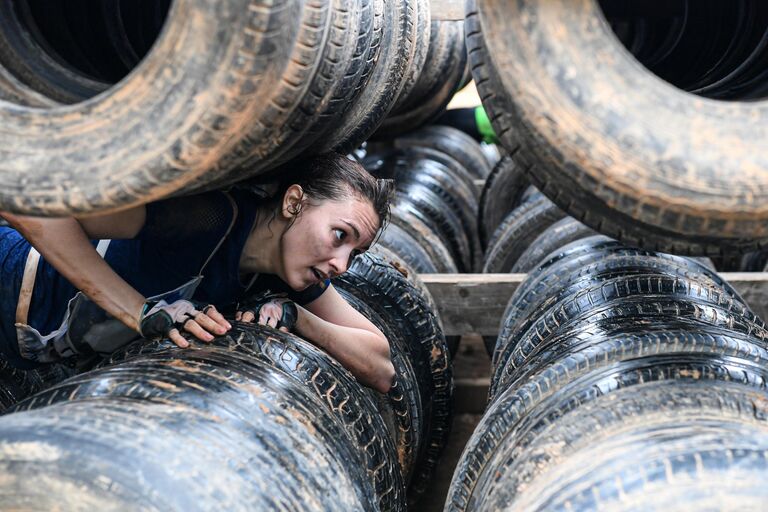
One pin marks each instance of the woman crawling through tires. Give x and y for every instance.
(173, 266)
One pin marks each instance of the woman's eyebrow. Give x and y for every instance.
(354, 228)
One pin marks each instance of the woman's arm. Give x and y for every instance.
(65, 244)
(332, 324)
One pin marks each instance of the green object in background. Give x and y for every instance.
(484, 126)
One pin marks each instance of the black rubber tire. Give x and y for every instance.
(96, 155)
(581, 259)
(454, 143)
(424, 109)
(409, 272)
(397, 47)
(557, 235)
(407, 248)
(29, 59)
(663, 190)
(419, 59)
(201, 405)
(517, 232)
(14, 91)
(624, 361)
(389, 293)
(17, 384)
(604, 449)
(502, 193)
(407, 218)
(444, 177)
(315, 90)
(661, 293)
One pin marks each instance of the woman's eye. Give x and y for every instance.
(340, 234)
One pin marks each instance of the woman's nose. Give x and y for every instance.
(340, 261)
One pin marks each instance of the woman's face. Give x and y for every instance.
(324, 238)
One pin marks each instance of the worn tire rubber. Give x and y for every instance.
(516, 233)
(557, 235)
(397, 47)
(389, 293)
(661, 178)
(623, 361)
(200, 407)
(502, 193)
(454, 143)
(209, 76)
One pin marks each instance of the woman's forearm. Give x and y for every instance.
(64, 244)
(362, 352)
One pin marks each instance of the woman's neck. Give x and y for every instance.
(261, 252)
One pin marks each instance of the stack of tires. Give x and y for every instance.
(257, 419)
(518, 224)
(434, 213)
(641, 154)
(114, 104)
(623, 379)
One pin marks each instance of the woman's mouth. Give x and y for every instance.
(318, 275)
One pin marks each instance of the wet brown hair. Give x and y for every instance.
(332, 176)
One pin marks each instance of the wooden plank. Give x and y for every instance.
(474, 303)
(447, 10)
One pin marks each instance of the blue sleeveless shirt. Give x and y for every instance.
(181, 238)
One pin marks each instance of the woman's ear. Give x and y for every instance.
(293, 201)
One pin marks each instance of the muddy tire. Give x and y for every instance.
(438, 81)
(454, 143)
(263, 380)
(555, 236)
(620, 365)
(92, 156)
(388, 293)
(397, 47)
(518, 231)
(679, 190)
(407, 218)
(668, 292)
(501, 194)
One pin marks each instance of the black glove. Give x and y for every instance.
(290, 312)
(158, 318)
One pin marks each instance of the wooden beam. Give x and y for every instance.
(447, 10)
(474, 303)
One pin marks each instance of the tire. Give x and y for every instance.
(388, 292)
(454, 143)
(95, 156)
(202, 406)
(423, 109)
(409, 272)
(627, 361)
(445, 178)
(641, 296)
(678, 416)
(17, 384)
(518, 231)
(399, 242)
(628, 180)
(501, 194)
(330, 59)
(405, 216)
(385, 82)
(422, 48)
(557, 235)
(29, 59)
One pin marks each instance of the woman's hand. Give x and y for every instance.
(269, 309)
(163, 320)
